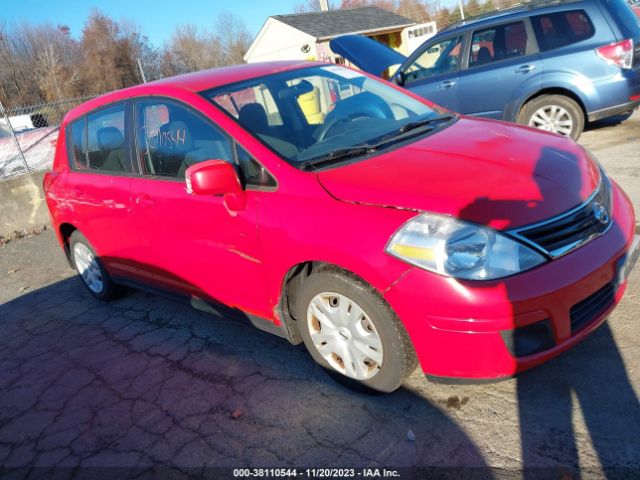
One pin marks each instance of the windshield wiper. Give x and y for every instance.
(358, 150)
(338, 155)
(425, 122)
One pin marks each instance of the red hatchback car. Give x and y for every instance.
(332, 208)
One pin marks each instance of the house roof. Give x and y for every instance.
(331, 23)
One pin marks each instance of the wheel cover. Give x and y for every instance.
(88, 268)
(552, 118)
(344, 335)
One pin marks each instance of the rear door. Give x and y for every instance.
(502, 65)
(432, 71)
(98, 185)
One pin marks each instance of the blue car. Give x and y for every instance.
(551, 65)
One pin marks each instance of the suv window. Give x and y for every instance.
(498, 43)
(171, 138)
(105, 140)
(559, 29)
(436, 59)
(76, 144)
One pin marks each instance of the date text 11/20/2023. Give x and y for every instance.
(315, 473)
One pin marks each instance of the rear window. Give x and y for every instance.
(559, 29)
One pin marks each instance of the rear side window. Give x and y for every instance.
(498, 43)
(76, 144)
(559, 29)
(105, 140)
(171, 138)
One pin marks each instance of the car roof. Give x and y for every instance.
(192, 82)
(515, 11)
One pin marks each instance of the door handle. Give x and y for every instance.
(447, 84)
(525, 68)
(76, 192)
(145, 201)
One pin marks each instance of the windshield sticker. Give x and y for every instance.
(343, 72)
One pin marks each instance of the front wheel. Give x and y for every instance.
(350, 330)
(554, 113)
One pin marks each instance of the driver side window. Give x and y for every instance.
(437, 59)
(171, 138)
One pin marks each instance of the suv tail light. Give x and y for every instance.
(619, 54)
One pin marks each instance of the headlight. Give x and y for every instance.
(459, 249)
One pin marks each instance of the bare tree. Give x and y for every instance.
(150, 57)
(191, 49)
(413, 9)
(305, 6)
(233, 37)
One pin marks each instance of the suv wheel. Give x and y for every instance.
(554, 113)
(350, 330)
(90, 268)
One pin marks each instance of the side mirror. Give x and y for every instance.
(212, 177)
(399, 78)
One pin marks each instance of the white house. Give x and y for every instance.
(306, 36)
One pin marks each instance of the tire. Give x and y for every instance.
(393, 358)
(83, 257)
(568, 116)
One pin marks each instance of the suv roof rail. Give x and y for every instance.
(524, 6)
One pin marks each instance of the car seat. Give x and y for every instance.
(111, 155)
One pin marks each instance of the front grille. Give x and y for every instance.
(584, 312)
(574, 228)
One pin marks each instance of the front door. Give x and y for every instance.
(503, 64)
(432, 72)
(196, 245)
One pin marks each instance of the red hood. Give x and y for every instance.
(483, 171)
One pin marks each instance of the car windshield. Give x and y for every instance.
(325, 113)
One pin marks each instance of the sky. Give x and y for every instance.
(158, 18)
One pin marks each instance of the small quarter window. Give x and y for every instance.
(254, 174)
(76, 145)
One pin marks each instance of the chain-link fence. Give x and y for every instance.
(28, 135)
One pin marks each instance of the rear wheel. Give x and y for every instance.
(554, 113)
(90, 268)
(351, 331)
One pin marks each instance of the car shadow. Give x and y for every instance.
(147, 381)
(607, 122)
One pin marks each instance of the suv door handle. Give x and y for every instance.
(525, 68)
(447, 84)
(144, 201)
(76, 192)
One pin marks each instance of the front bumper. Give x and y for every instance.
(459, 328)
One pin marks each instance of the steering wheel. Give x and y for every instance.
(337, 121)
